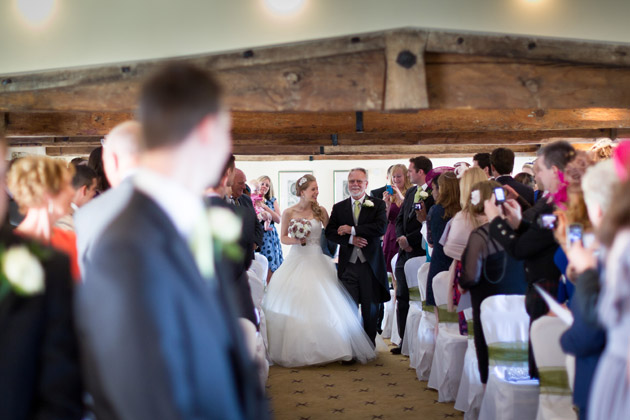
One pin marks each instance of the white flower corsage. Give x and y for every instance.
(226, 229)
(368, 203)
(22, 271)
(475, 197)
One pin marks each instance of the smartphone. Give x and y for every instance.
(548, 221)
(574, 233)
(389, 189)
(499, 193)
(418, 206)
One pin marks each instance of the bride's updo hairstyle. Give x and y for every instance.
(302, 184)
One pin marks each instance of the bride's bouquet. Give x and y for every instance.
(299, 228)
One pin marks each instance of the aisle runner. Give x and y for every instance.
(383, 389)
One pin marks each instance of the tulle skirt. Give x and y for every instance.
(311, 318)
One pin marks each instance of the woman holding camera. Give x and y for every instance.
(393, 196)
(487, 270)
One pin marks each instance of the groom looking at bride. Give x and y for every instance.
(357, 224)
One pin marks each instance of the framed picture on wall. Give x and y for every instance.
(287, 181)
(340, 189)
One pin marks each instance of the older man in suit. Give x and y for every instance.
(357, 224)
(159, 340)
(120, 160)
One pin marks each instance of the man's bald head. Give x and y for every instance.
(238, 186)
(121, 150)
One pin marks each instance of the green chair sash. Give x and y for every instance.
(427, 308)
(554, 381)
(414, 294)
(508, 354)
(471, 331)
(445, 316)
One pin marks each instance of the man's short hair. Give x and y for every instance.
(358, 169)
(558, 154)
(483, 160)
(502, 159)
(422, 162)
(83, 176)
(173, 102)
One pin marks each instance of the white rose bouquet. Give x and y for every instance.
(299, 229)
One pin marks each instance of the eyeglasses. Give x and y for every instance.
(355, 181)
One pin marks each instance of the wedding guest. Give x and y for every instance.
(39, 361)
(400, 183)
(158, 336)
(602, 150)
(121, 149)
(84, 184)
(378, 192)
(447, 204)
(502, 164)
(482, 161)
(524, 238)
(43, 190)
(525, 179)
(96, 163)
(408, 234)
(487, 270)
(585, 339)
(458, 233)
(244, 202)
(611, 385)
(79, 161)
(271, 247)
(528, 168)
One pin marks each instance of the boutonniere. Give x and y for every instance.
(421, 195)
(368, 203)
(21, 272)
(226, 229)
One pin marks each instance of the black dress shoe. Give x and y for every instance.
(395, 350)
(348, 362)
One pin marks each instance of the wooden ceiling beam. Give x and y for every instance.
(368, 72)
(71, 124)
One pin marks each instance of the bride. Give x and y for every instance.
(311, 318)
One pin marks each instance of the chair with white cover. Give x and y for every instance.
(262, 270)
(450, 345)
(412, 265)
(510, 394)
(390, 324)
(257, 286)
(555, 400)
(470, 392)
(425, 337)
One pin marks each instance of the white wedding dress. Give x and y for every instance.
(311, 318)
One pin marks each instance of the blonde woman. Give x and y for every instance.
(311, 319)
(399, 182)
(42, 188)
(271, 247)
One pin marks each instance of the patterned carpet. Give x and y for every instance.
(383, 389)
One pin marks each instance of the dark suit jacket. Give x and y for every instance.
(158, 341)
(536, 247)
(408, 225)
(233, 274)
(378, 193)
(523, 190)
(372, 225)
(39, 361)
(252, 229)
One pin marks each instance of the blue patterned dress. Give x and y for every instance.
(271, 247)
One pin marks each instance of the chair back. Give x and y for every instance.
(442, 293)
(257, 287)
(423, 275)
(262, 265)
(505, 326)
(412, 265)
(468, 314)
(550, 358)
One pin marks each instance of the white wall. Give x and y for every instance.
(84, 32)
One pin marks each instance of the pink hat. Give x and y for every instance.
(621, 158)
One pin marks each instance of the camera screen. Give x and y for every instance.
(548, 221)
(575, 233)
(418, 206)
(499, 194)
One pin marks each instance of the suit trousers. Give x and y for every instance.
(402, 294)
(361, 284)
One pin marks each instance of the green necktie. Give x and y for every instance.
(357, 210)
(201, 246)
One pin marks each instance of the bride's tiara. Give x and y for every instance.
(301, 181)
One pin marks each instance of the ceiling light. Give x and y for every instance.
(36, 12)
